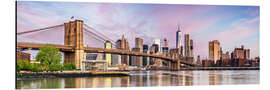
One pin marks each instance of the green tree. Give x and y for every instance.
(50, 57)
(69, 66)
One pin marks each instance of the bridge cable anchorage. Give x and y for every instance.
(104, 39)
(35, 30)
(98, 32)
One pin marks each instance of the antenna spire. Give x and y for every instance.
(178, 27)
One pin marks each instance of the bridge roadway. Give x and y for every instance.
(66, 48)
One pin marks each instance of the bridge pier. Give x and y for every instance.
(174, 66)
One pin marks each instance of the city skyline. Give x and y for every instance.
(232, 25)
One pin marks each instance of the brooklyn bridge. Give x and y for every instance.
(77, 42)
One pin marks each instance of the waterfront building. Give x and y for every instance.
(139, 46)
(207, 63)
(240, 56)
(23, 56)
(214, 50)
(225, 59)
(136, 60)
(108, 57)
(116, 58)
(187, 45)
(124, 46)
(145, 59)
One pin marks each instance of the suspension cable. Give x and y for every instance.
(20, 33)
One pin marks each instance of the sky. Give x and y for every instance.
(233, 26)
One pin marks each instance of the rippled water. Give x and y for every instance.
(148, 78)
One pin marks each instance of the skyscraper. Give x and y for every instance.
(139, 43)
(187, 45)
(165, 48)
(157, 41)
(165, 43)
(214, 50)
(116, 58)
(191, 48)
(123, 42)
(145, 59)
(178, 37)
(139, 46)
(124, 46)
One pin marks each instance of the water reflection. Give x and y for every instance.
(147, 78)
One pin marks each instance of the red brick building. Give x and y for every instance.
(23, 56)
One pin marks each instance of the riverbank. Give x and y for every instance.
(70, 74)
(221, 68)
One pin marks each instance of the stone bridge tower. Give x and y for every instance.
(74, 38)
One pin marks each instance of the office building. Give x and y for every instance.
(214, 50)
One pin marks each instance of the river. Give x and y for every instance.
(148, 78)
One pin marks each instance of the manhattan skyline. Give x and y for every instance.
(231, 25)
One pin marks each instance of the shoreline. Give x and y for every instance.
(70, 74)
(115, 73)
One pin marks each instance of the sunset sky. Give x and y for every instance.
(231, 25)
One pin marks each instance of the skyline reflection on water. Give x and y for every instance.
(149, 78)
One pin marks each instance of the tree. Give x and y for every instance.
(50, 57)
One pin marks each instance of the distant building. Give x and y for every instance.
(207, 63)
(145, 59)
(198, 60)
(240, 56)
(157, 42)
(156, 48)
(116, 58)
(136, 60)
(108, 57)
(138, 48)
(226, 59)
(165, 42)
(124, 46)
(178, 38)
(139, 43)
(174, 53)
(191, 48)
(182, 52)
(187, 46)
(214, 50)
(165, 48)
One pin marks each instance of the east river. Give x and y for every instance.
(148, 79)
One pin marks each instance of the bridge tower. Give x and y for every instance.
(74, 37)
